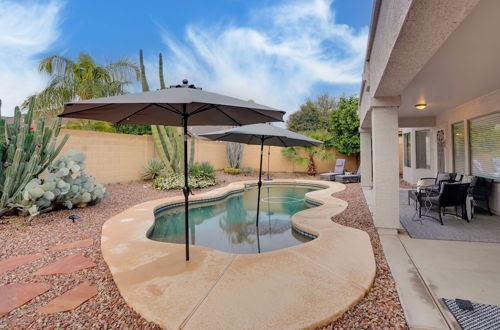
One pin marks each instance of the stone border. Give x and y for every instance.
(303, 286)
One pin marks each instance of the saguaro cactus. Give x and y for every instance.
(25, 152)
(168, 141)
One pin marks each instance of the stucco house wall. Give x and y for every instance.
(481, 106)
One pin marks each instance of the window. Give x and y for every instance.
(485, 146)
(407, 149)
(423, 147)
(458, 148)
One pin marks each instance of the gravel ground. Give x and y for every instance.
(380, 308)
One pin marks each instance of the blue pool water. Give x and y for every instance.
(229, 224)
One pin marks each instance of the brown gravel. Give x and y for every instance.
(380, 308)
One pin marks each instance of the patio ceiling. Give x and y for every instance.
(465, 67)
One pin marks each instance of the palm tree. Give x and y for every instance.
(80, 80)
(322, 152)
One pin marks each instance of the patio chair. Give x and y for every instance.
(480, 190)
(338, 170)
(451, 194)
(349, 178)
(441, 177)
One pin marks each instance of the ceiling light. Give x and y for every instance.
(421, 106)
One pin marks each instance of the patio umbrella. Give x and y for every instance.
(178, 105)
(261, 134)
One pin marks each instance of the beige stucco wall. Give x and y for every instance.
(481, 106)
(413, 174)
(114, 158)
(111, 157)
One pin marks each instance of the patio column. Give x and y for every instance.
(385, 166)
(366, 157)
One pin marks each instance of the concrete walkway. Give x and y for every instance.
(451, 269)
(428, 270)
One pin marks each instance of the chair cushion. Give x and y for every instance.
(330, 173)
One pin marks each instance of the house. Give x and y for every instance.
(432, 71)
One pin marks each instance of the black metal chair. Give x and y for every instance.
(480, 190)
(451, 194)
(441, 177)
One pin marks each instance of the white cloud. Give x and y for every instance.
(275, 59)
(26, 30)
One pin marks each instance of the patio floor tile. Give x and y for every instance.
(66, 265)
(73, 245)
(70, 299)
(16, 261)
(17, 294)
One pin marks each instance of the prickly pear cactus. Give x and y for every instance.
(65, 186)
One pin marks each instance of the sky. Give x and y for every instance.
(275, 52)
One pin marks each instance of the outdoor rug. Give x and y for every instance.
(482, 317)
(481, 228)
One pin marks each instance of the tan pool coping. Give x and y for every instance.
(303, 286)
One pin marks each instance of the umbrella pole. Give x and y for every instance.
(268, 162)
(185, 189)
(259, 184)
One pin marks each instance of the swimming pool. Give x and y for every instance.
(229, 224)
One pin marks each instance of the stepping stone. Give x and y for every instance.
(17, 294)
(66, 265)
(14, 262)
(70, 299)
(73, 245)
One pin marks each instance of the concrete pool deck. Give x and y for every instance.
(303, 286)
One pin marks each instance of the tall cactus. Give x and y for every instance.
(167, 140)
(25, 152)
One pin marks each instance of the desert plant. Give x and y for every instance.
(168, 142)
(152, 169)
(204, 169)
(176, 181)
(82, 79)
(311, 153)
(248, 170)
(232, 170)
(60, 188)
(234, 153)
(25, 152)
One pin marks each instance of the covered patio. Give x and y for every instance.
(481, 228)
(432, 72)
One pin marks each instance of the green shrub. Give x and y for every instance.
(202, 169)
(248, 171)
(232, 171)
(176, 181)
(152, 169)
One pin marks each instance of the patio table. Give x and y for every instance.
(421, 198)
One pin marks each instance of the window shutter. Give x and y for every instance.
(458, 148)
(407, 149)
(485, 146)
(423, 147)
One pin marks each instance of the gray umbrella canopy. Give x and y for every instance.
(272, 135)
(262, 134)
(168, 106)
(180, 105)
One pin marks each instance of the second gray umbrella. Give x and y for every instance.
(262, 134)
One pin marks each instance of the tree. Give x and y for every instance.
(313, 115)
(311, 153)
(82, 79)
(345, 125)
